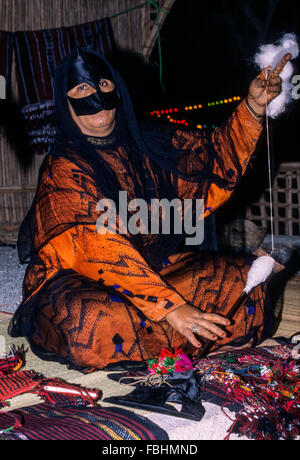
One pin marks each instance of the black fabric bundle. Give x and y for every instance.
(180, 388)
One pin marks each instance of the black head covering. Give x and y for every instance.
(91, 69)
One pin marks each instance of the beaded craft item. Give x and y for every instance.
(261, 385)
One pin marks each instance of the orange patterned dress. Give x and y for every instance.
(99, 302)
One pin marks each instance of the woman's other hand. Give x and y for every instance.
(187, 318)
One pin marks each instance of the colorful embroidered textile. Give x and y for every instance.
(38, 53)
(55, 392)
(6, 50)
(261, 385)
(41, 422)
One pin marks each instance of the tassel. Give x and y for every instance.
(12, 361)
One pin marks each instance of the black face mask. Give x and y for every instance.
(88, 68)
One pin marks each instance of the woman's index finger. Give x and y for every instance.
(287, 57)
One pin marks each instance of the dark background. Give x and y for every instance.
(208, 49)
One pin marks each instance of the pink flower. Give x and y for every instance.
(183, 364)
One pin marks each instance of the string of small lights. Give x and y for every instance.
(171, 113)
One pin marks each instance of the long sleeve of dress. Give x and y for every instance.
(227, 151)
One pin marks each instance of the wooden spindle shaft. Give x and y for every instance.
(204, 350)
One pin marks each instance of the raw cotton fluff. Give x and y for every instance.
(272, 55)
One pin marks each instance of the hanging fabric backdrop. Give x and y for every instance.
(38, 53)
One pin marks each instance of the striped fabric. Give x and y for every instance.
(38, 53)
(17, 383)
(55, 392)
(6, 47)
(41, 422)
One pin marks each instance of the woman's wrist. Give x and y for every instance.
(256, 110)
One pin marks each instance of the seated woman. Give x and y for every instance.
(92, 299)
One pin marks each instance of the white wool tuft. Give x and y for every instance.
(272, 55)
(259, 272)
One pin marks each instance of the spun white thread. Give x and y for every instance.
(269, 171)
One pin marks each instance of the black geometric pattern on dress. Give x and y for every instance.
(70, 298)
